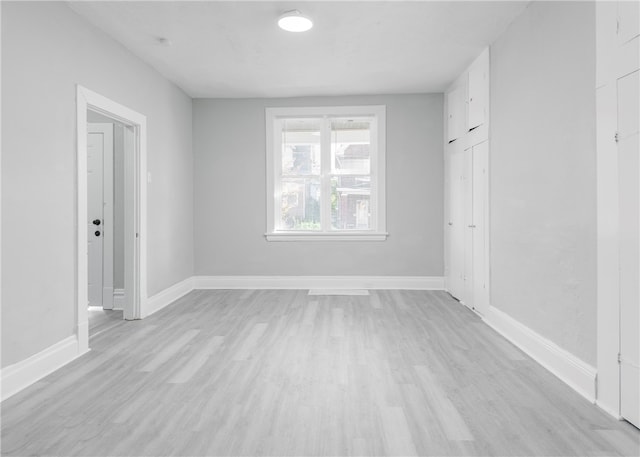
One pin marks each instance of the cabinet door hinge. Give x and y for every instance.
(616, 137)
(619, 358)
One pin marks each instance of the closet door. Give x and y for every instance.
(479, 228)
(468, 228)
(455, 224)
(478, 96)
(456, 119)
(628, 89)
(628, 21)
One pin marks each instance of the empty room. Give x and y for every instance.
(320, 228)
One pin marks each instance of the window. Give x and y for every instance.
(325, 173)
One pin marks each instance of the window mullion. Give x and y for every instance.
(325, 177)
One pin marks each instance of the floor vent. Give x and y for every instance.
(338, 292)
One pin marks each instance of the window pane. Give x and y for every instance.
(350, 202)
(350, 146)
(301, 146)
(300, 204)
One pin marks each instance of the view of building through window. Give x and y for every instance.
(345, 182)
(325, 173)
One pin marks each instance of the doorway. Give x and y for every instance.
(111, 201)
(105, 221)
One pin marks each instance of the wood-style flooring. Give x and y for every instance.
(287, 373)
(101, 320)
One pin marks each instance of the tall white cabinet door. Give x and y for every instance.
(455, 224)
(456, 121)
(629, 231)
(479, 232)
(467, 107)
(468, 227)
(628, 20)
(478, 96)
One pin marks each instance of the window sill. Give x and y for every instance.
(342, 236)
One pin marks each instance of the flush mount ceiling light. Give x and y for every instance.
(294, 21)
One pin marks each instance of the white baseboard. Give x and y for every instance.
(577, 374)
(319, 282)
(26, 372)
(167, 296)
(615, 414)
(118, 298)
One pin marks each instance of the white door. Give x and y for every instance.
(94, 213)
(455, 224)
(628, 21)
(468, 227)
(447, 220)
(479, 233)
(628, 89)
(477, 96)
(99, 164)
(456, 123)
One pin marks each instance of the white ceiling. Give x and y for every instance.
(229, 49)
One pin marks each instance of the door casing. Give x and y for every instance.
(135, 224)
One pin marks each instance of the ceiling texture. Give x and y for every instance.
(234, 49)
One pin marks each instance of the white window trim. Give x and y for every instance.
(378, 196)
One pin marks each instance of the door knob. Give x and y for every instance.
(97, 233)
(96, 222)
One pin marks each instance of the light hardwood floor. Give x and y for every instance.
(101, 320)
(286, 373)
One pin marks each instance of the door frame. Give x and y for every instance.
(613, 60)
(136, 228)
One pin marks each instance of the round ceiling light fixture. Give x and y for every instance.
(294, 21)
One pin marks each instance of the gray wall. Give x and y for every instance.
(543, 174)
(46, 50)
(230, 201)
